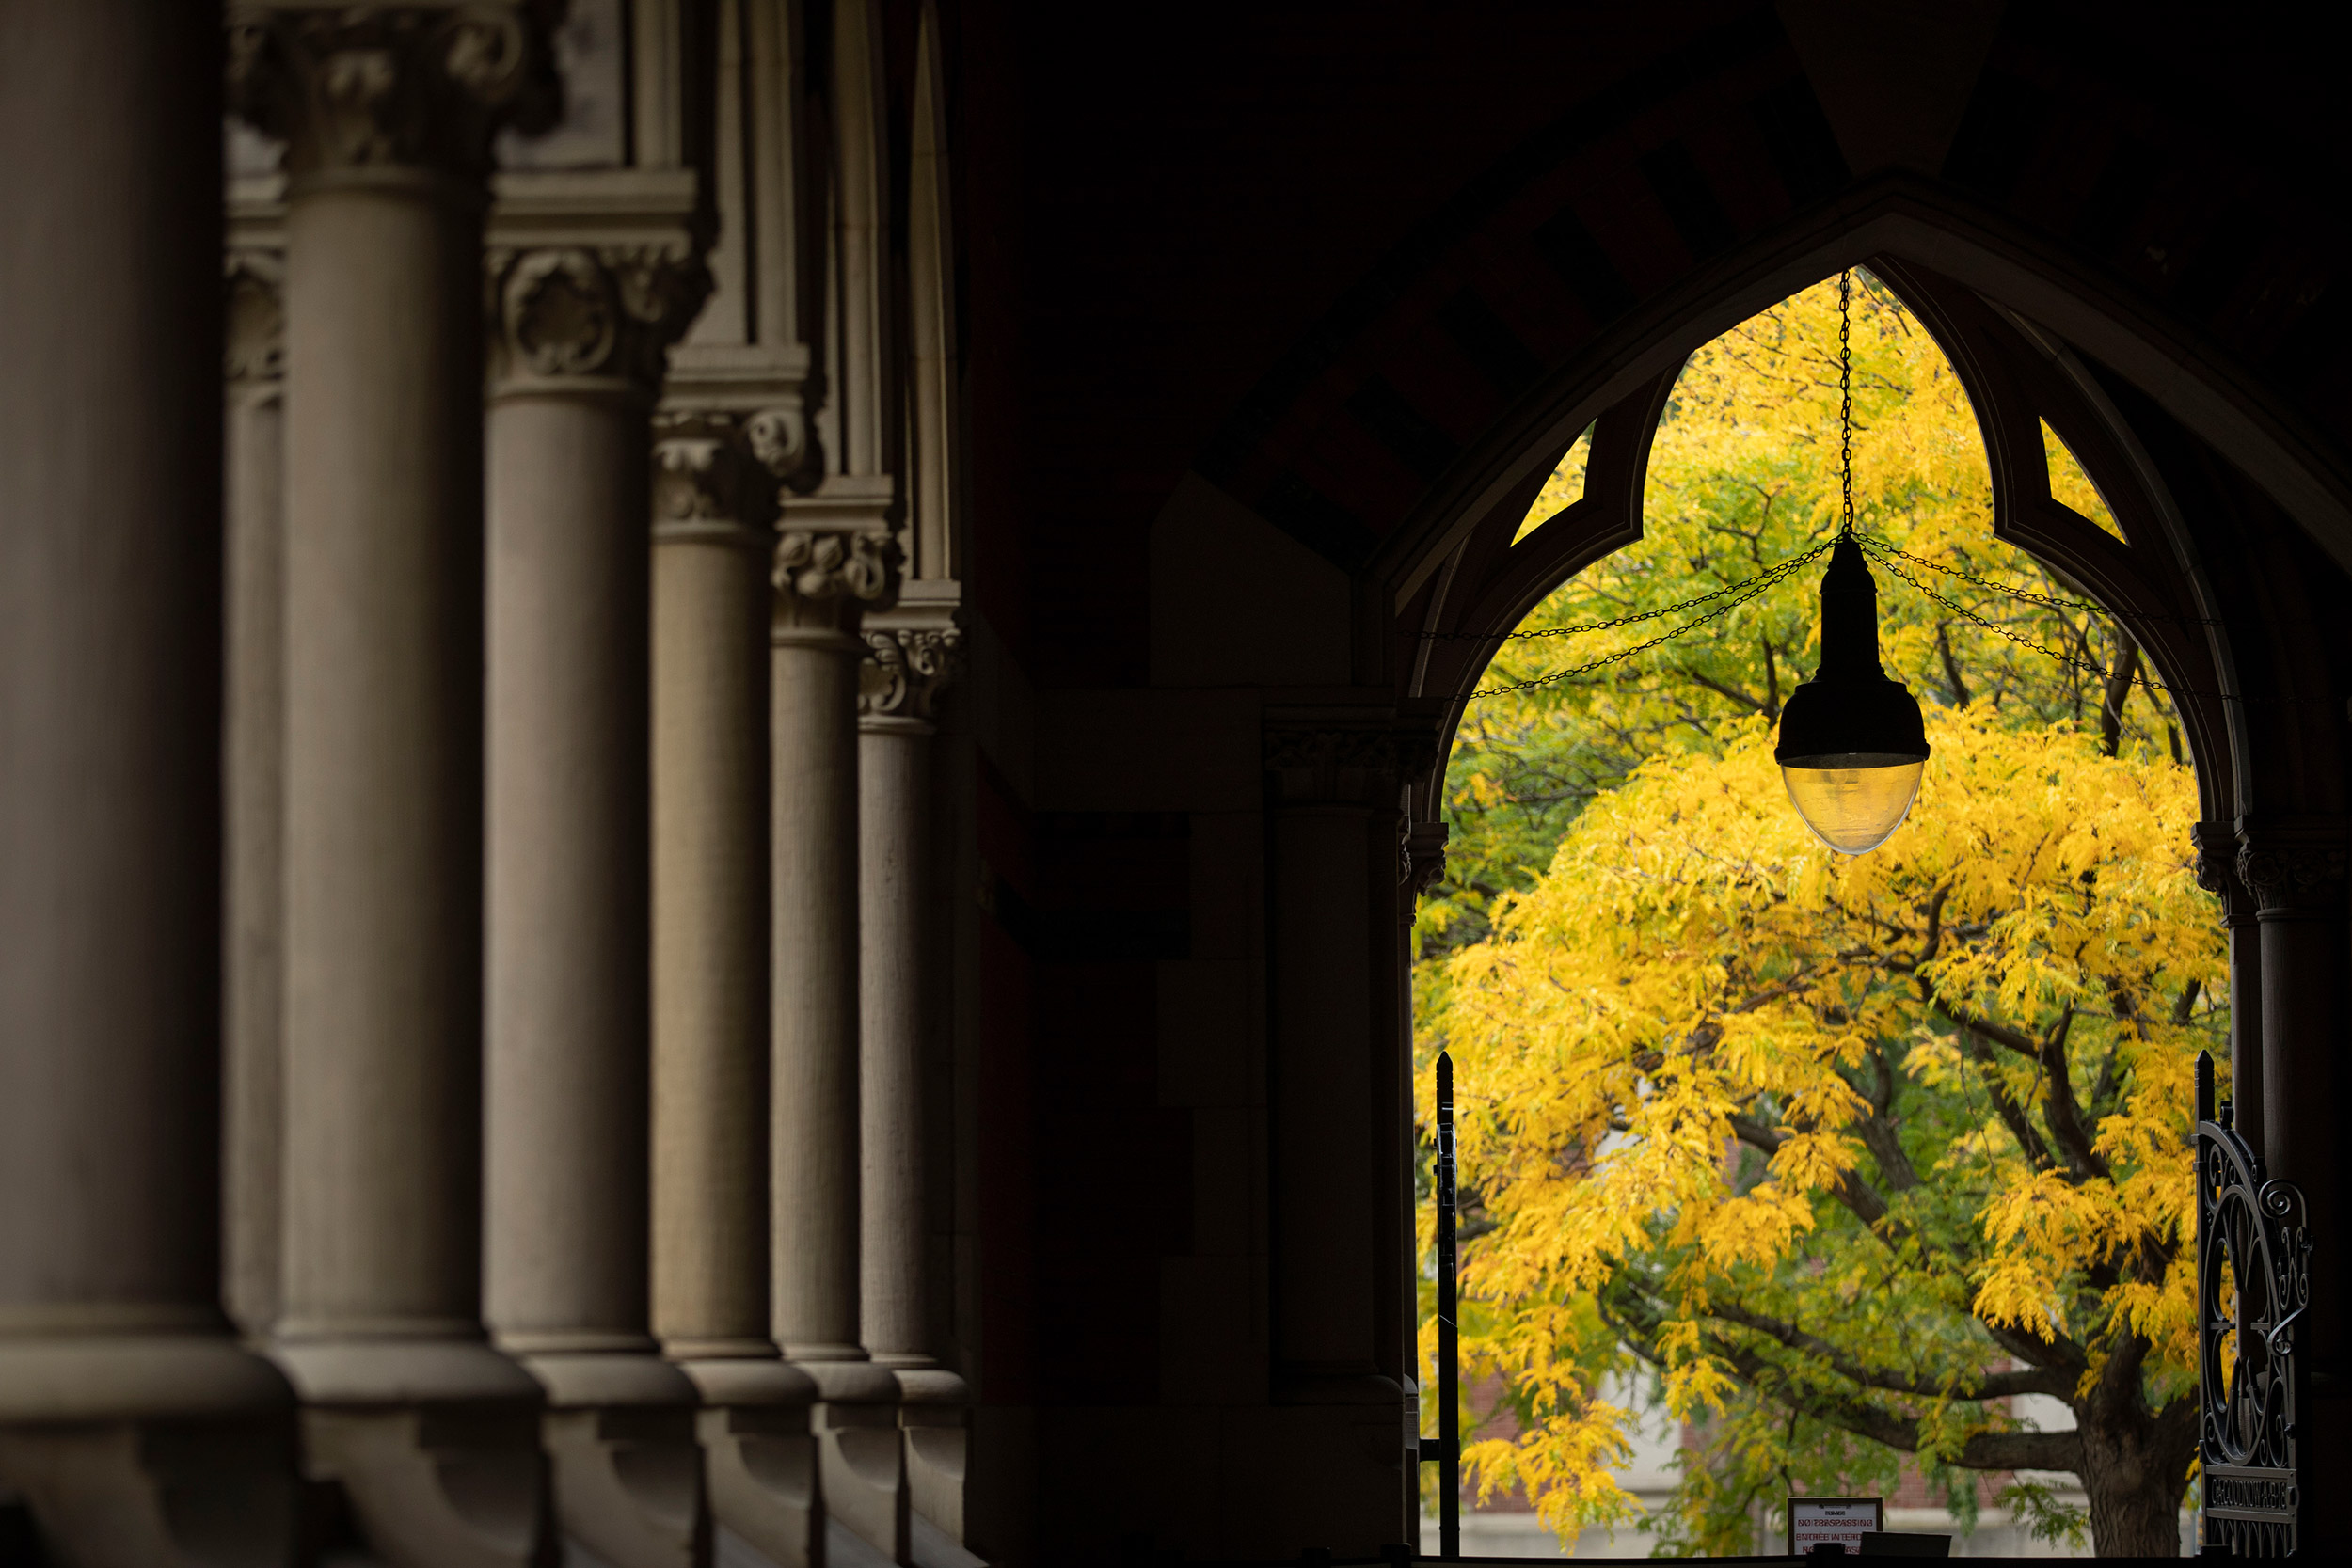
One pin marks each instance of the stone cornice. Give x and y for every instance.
(1313, 757)
(2293, 867)
(416, 86)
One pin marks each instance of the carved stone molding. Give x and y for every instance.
(905, 670)
(1346, 761)
(2217, 870)
(581, 312)
(1424, 855)
(424, 86)
(705, 475)
(2294, 870)
(826, 579)
(254, 341)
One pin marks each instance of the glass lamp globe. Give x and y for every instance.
(1852, 743)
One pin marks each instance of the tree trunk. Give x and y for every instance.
(2135, 1471)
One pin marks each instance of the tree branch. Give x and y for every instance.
(1992, 1386)
(1858, 1195)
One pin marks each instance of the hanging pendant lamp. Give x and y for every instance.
(1852, 743)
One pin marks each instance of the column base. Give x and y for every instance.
(860, 1459)
(628, 1477)
(759, 1456)
(440, 1486)
(215, 1494)
(933, 1419)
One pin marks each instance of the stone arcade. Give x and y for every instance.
(716, 735)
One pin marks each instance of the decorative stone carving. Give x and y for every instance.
(1398, 753)
(1424, 855)
(827, 578)
(706, 477)
(2217, 870)
(611, 310)
(254, 342)
(353, 88)
(905, 670)
(1361, 763)
(2294, 871)
(779, 439)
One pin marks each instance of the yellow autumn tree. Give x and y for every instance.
(1845, 1152)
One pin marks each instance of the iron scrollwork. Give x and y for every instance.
(2257, 1230)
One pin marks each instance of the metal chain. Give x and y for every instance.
(2151, 687)
(1754, 586)
(2071, 607)
(1845, 393)
(1769, 572)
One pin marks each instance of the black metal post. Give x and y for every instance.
(1448, 1350)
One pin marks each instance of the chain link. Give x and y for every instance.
(1845, 394)
(2071, 606)
(1748, 590)
(1770, 572)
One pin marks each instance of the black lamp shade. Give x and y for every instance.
(1852, 746)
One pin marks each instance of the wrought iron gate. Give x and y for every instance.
(2255, 1229)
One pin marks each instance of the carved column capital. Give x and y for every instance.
(2217, 870)
(2293, 867)
(705, 480)
(563, 313)
(837, 558)
(1333, 760)
(1424, 855)
(254, 312)
(905, 670)
(826, 579)
(369, 88)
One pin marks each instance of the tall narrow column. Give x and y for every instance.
(2295, 869)
(2217, 873)
(122, 1393)
(711, 1168)
(907, 667)
(253, 731)
(576, 363)
(1333, 788)
(827, 573)
(387, 114)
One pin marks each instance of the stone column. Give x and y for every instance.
(833, 559)
(710, 1169)
(130, 1419)
(2294, 868)
(387, 114)
(253, 731)
(576, 355)
(897, 876)
(2217, 873)
(1333, 790)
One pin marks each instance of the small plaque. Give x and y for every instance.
(1819, 1521)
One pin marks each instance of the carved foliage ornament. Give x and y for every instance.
(2294, 874)
(414, 86)
(1373, 750)
(254, 343)
(905, 670)
(828, 577)
(614, 310)
(703, 472)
